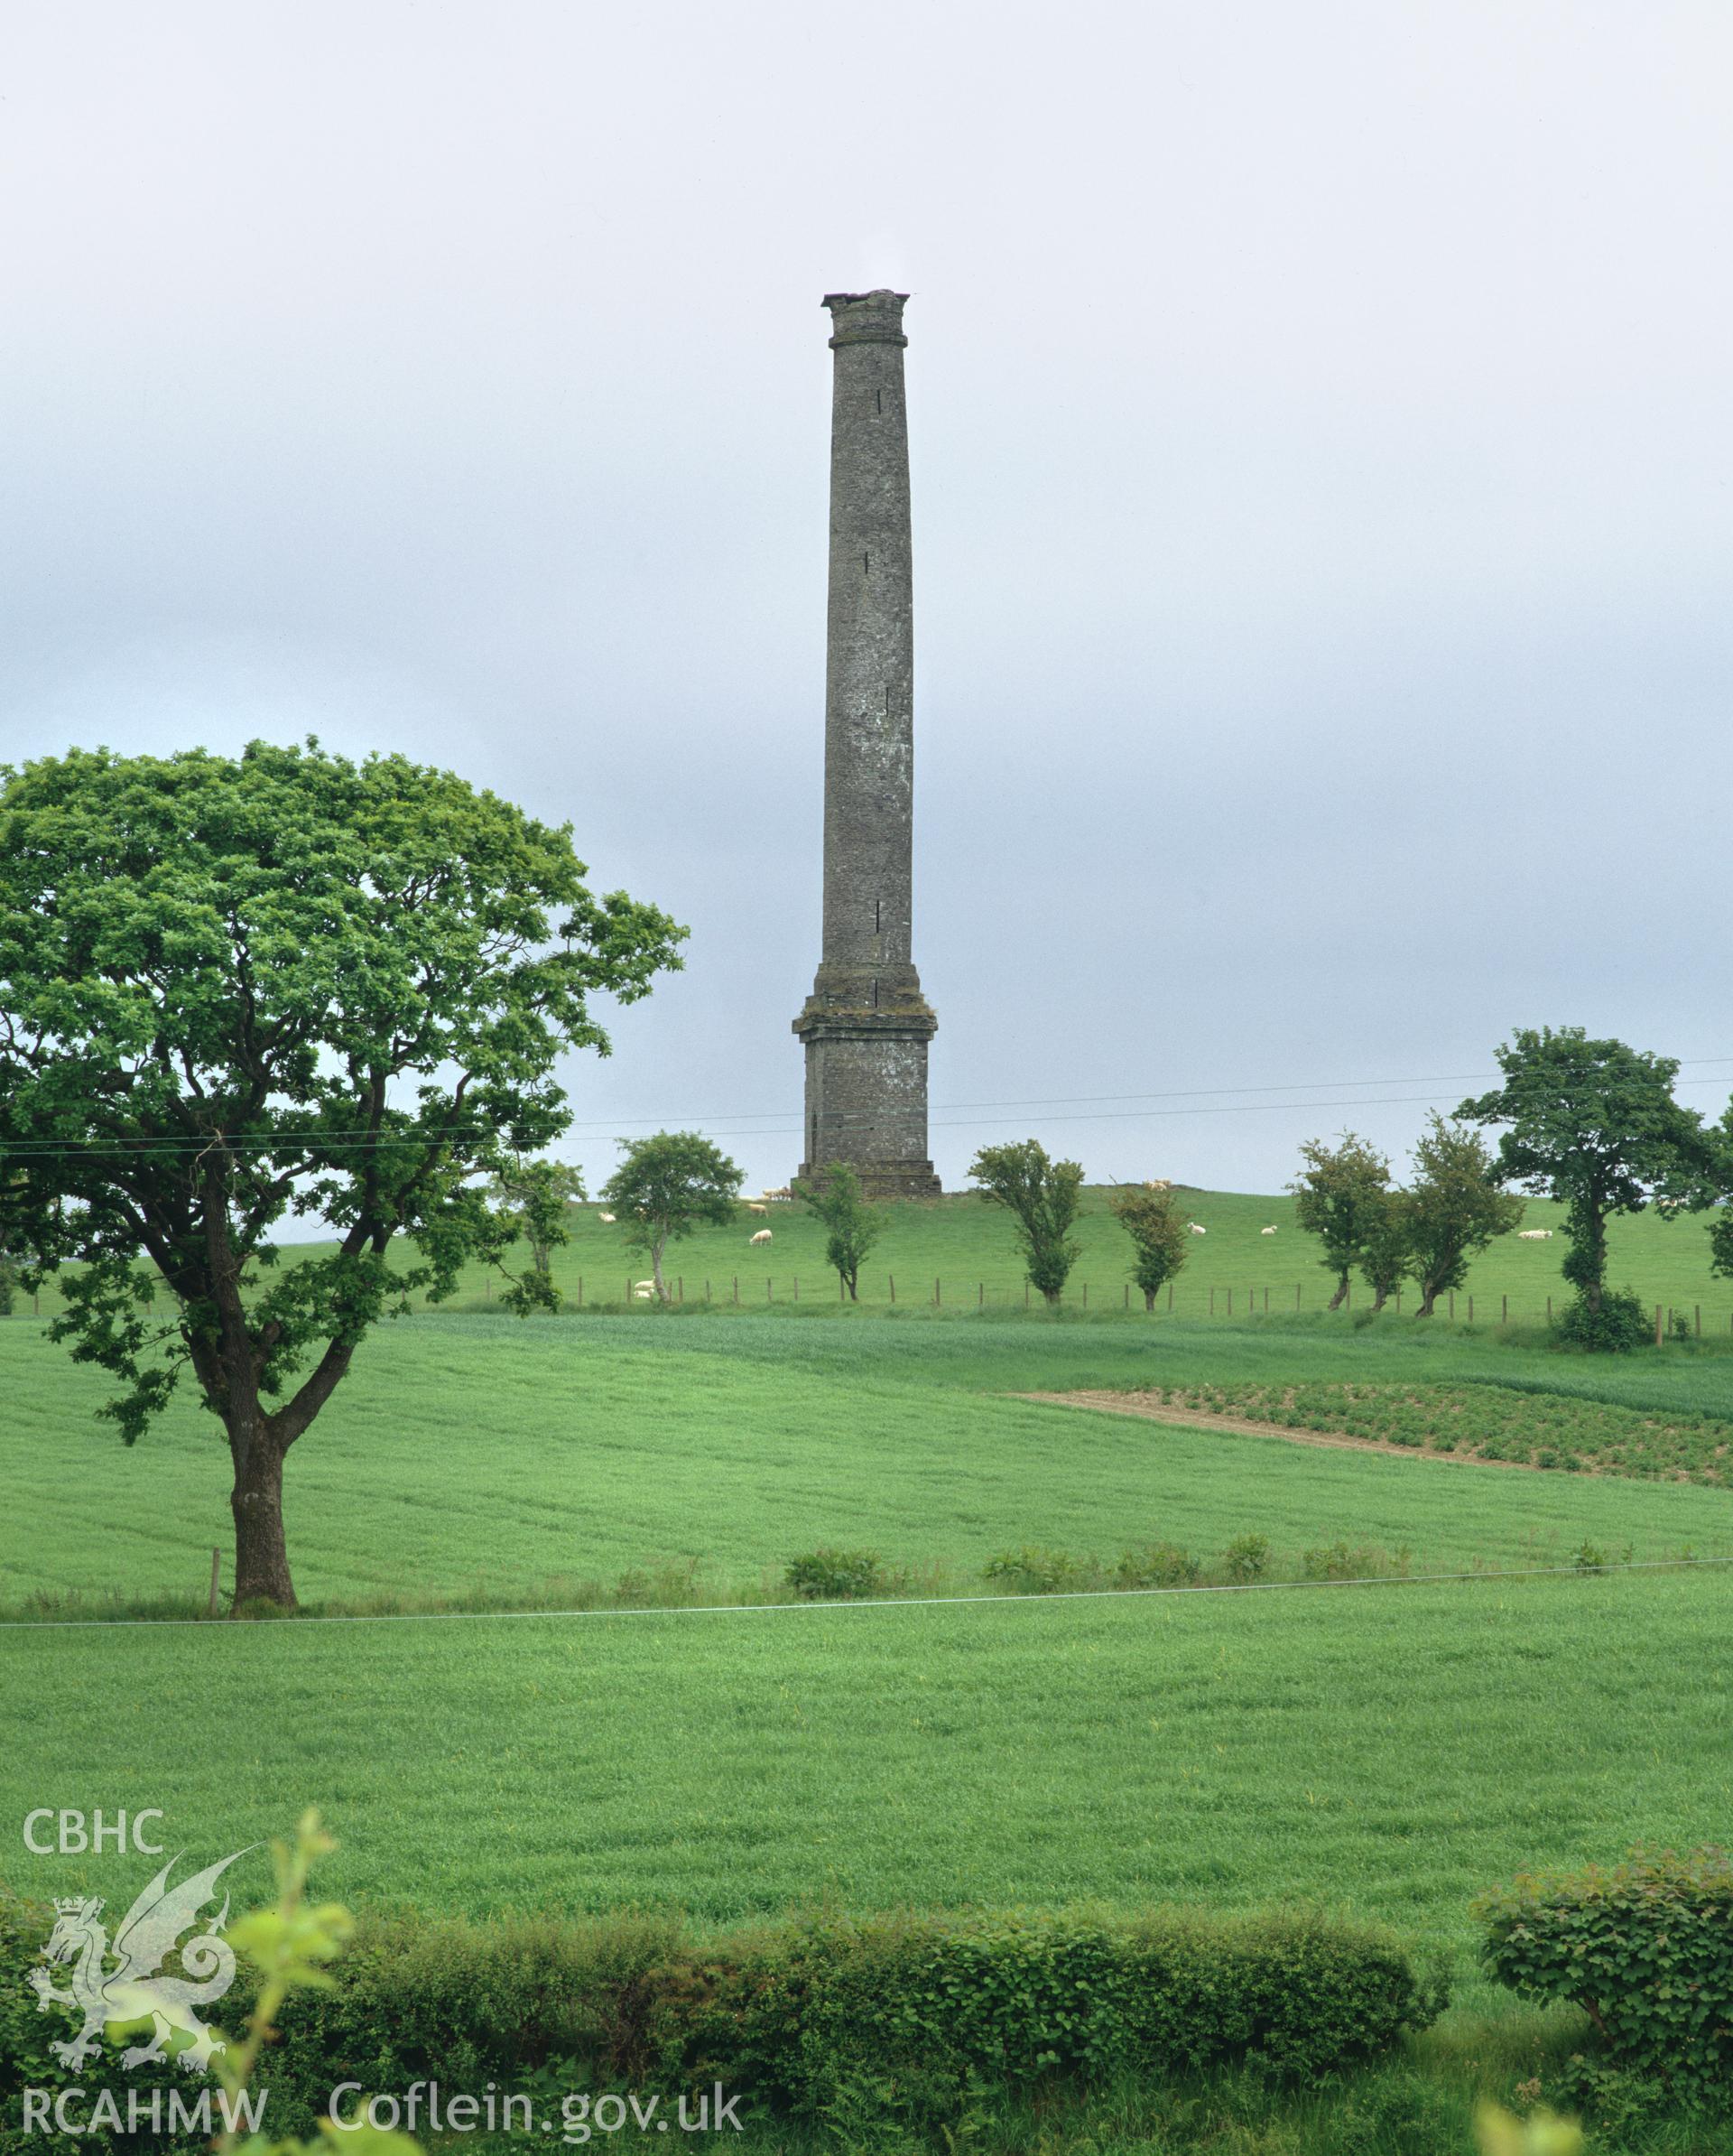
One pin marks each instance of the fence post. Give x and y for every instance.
(769, 1293)
(797, 1287)
(937, 1303)
(841, 1289)
(1025, 1295)
(581, 1291)
(1549, 1310)
(1170, 1298)
(1657, 1324)
(707, 1291)
(893, 1280)
(980, 1295)
(1086, 1295)
(1505, 1311)
(1267, 1302)
(737, 1288)
(680, 1288)
(1471, 1309)
(1698, 1309)
(1127, 1295)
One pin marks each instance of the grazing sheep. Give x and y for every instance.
(1535, 1235)
(1266, 1230)
(1157, 1182)
(1193, 1226)
(753, 1207)
(643, 1290)
(607, 1219)
(763, 1236)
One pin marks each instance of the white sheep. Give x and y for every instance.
(607, 1219)
(1266, 1230)
(1535, 1235)
(644, 1289)
(752, 1207)
(1193, 1226)
(1157, 1182)
(763, 1236)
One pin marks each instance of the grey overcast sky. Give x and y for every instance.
(1321, 464)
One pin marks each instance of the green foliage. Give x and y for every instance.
(851, 1226)
(531, 1198)
(1454, 1208)
(1341, 1196)
(218, 977)
(1246, 1558)
(1386, 1247)
(830, 1574)
(1157, 1564)
(1030, 1569)
(1644, 1949)
(1614, 1325)
(665, 1186)
(1041, 1196)
(1594, 1125)
(1343, 1560)
(901, 2016)
(1157, 1228)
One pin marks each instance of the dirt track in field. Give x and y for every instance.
(1197, 1418)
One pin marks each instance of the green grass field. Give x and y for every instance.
(483, 1453)
(1392, 1748)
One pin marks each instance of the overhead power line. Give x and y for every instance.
(1075, 1108)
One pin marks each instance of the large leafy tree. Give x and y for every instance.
(237, 993)
(1593, 1124)
(1454, 1208)
(1041, 1196)
(667, 1186)
(1150, 1214)
(1342, 1196)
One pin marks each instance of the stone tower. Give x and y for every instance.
(865, 1026)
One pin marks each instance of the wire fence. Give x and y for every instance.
(1235, 1300)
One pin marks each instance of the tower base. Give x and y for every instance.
(866, 1098)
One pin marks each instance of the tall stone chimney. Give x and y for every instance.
(866, 1025)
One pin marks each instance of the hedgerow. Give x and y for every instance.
(907, 2014)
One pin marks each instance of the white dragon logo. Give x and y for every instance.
(133, 1990)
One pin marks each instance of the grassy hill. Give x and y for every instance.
(961, 1248)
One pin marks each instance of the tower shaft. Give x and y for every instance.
(865, 1026)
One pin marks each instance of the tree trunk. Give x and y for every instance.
(850, 1279)
(1379, 1299)
(1340, 1295)
(261, 1556)
(1149, 1298)
(1428, 1297)
(656, 1270)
